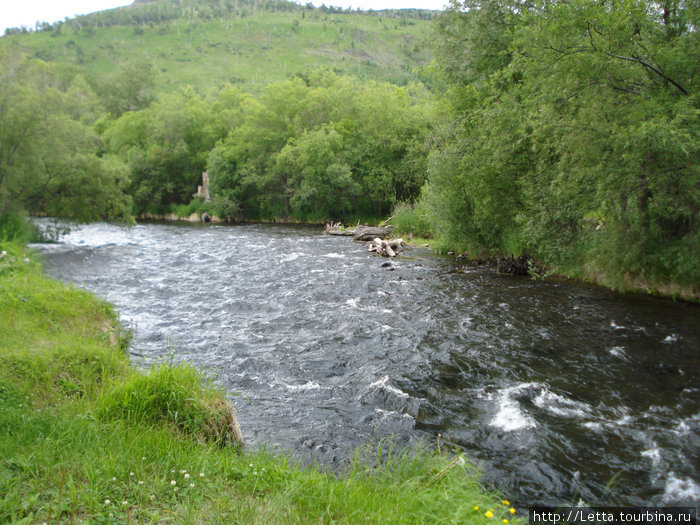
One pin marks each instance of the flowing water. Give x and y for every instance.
(563, 392)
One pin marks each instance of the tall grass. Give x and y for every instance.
(410, 220)
(175, 395)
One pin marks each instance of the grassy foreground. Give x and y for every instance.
(86, 438)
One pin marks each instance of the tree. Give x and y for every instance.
(572, 133)
(166, 147)
(48, 150)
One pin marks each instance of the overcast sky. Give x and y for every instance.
(15, 13)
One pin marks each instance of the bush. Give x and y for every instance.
(14, 227)
(410, 220)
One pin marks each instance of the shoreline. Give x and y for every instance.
(120, 444)
(628, 285)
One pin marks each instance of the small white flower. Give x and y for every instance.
(251, 465)
(191, 485)
(255, 473)
(143, 458)
(140, 482)
(172, 471)
(131, 473)
(201, 474)
(125, 503)
(107, 502)
(173, 482)
(153, 497)
(114, 479)
(176, 489)
(187, 476)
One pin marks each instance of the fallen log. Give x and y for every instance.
(367, 233)
(359, 232)
(385, 248)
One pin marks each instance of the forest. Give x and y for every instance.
(564, 131)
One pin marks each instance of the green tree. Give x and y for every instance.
(130, 88)
(166, 147)
(572, 134)
(48, 149)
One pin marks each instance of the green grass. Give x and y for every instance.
(85, 437)
(252, 51)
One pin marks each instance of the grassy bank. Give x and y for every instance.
(412, 225)
(86, 438)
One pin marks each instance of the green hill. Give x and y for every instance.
(249, 43)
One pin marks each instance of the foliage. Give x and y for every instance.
(48, 151)
(166, 146)
(323, 147)
(572, 135)
(410, 219)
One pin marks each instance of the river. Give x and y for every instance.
(563, 392)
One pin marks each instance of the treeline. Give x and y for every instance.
(314, 148)
(159, 12)
(50, 158)
(317, 147)
(572, 134)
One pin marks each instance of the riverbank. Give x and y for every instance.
(87, 437)
(625, 284)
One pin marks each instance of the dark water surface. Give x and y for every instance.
(564, 392)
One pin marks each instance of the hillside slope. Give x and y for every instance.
(250, 44)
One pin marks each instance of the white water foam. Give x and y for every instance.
(560, 405)
(383, 383)
(509, 416)
(681, 490)
(291, 257)
(654, 455)
(619, 352)
(309, 385)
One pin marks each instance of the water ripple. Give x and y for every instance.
(557, 388)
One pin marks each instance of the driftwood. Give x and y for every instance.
(368, 233)
(336, 228)
(385, 248)
(359, 232)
